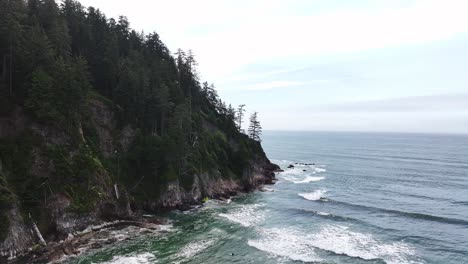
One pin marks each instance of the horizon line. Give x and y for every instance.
(369, 132)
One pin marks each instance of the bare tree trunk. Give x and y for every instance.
(116, 189)
(4, 73)
(11, 66)
(163, 114)
(38, 233)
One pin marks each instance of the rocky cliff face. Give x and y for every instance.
(59, 213)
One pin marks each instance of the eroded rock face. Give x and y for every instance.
(61, 222)
(213, 185)
(13, 124)
(111, 139)
(19, 237)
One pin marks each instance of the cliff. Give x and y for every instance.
(42, 156)
(99, 122)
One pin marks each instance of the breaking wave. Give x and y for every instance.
(144, 258)
(193, 248)
(246, 215)
(313, 196)
(285, 243)
(340, 240)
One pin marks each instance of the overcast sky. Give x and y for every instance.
(333, 65)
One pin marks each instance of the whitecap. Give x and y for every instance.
(193, 248)
(166, 228)
(285, 243)
(307, 179)
(297, 175)
(323, 213)
(313, 196)
(246, 215)
(299, 246)
(341, 240)
(320, 170)
(144, 258)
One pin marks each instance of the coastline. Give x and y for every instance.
(104, 233)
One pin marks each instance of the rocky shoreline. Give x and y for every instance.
(93, 237)
(97, 236)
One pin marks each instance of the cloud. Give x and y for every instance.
(259, 73)
(432, 103)
(252, 31)
(269, 36)
(271, 85)
(320, 63)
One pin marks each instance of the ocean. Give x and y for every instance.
(350, 198)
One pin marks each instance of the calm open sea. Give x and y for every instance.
(367, 198)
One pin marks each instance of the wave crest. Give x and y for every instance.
(144, 258)
(340, 240)
(313, 196)
(193, 248)
(246, 215)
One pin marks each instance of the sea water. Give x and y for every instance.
(351, 198)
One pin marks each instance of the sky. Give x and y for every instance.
(328, 65)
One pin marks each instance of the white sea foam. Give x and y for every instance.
(285, 243)
(323, 213)
(313, 196)
(144, 258)
(192, 249)
(320, 170)
(166, 228)
(246, 215)
(296, 245)
(341, 240)
(297, 175)
(266, 189)
(308, 179)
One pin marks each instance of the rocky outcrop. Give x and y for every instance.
(59, 221)
(19, 237)
(213, 185)
(110, 139)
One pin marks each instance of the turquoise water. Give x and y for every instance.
(369, 198)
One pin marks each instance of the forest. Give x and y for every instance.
(56, 60)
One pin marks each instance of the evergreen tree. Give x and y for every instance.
(231, 113)
(240, 116)
(255, 129)
(56, 61)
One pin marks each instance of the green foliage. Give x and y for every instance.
(149, 164)
(61, 58)
(4, 226)
(58, 97)
(6, 201)
(255, 129)
(17, 157)
(40, 96)
(79, 176)
(6, 196)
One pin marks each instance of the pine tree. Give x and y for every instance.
(240, 115)
(165, 106)
(255, 129)
(231, 113)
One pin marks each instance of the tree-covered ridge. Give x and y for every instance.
(56, 60)
(53, 55)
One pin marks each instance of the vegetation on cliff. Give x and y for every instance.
(88, 103)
